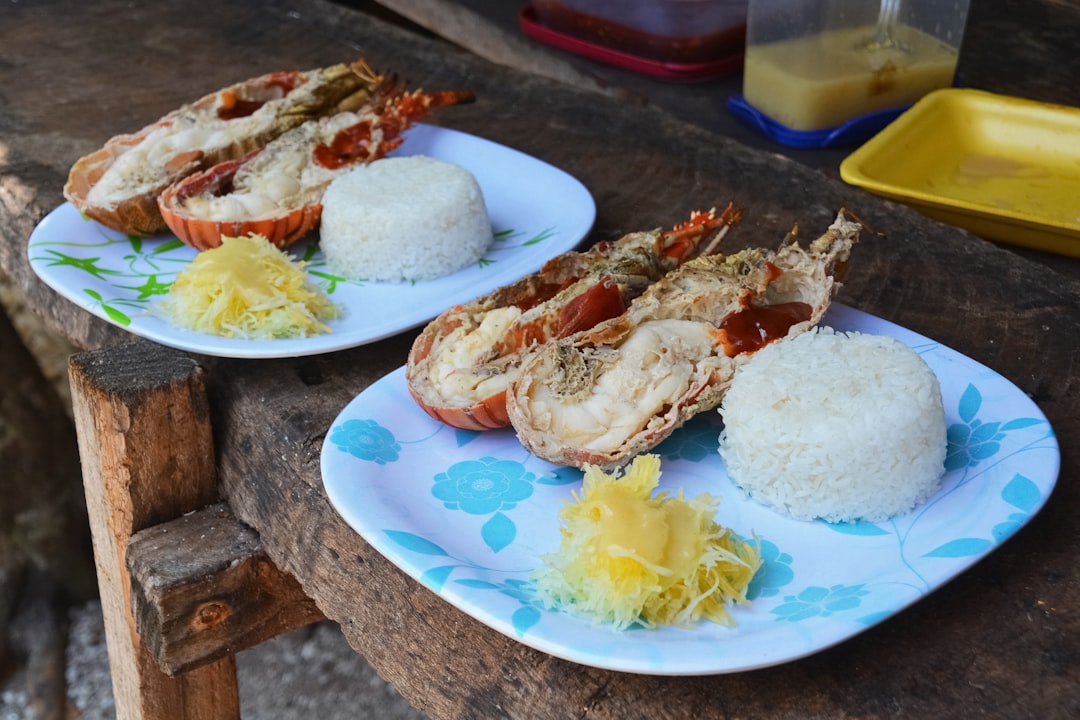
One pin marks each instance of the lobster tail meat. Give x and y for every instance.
(119, 184)
(276, 191)
(604, 395)
(462, 362)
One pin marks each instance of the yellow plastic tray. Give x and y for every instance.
(1004, 168)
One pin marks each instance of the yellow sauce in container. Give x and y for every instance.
(820, 81)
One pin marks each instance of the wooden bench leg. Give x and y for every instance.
(147, 455)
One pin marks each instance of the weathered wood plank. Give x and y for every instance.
(203, 588)
(147, 456)
(479, 35)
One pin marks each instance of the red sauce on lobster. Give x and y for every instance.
(350, 144)
(542, 294)
(601, 302)
(237, 108)
(233, 106)
(753, 327)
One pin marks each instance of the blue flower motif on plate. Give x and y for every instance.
(367, 440)
(483, 486)
(486, 486)
(820, 602)
(481, 559)
(694, 441)
(974, 440)
(775, 572)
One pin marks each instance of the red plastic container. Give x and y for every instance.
(670, 38)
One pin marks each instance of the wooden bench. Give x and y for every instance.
(184, 585)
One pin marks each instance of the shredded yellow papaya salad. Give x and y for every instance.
(248, 288)
(629, 558)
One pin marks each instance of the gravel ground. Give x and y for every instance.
(304, 674)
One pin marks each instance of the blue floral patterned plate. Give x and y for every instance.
(537, 211)
(469, 515)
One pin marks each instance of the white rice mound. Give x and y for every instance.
(835, 426)
(402, 219)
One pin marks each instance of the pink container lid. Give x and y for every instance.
(531, 26)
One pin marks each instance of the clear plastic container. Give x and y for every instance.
(672, 31)
(817, 64)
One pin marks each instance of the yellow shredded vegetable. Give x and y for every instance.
(248, 288)
(627, 557)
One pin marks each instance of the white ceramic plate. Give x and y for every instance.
(469, 515)
(537, 211)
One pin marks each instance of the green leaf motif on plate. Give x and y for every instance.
(87, 265)
(113, 314)
(541, 237)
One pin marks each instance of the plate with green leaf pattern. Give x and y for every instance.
(537, 211)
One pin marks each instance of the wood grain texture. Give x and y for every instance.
(144, 437)
(473, 31)
(999, 641)
(202, 588)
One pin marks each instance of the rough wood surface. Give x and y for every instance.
(484, 38)
(203, 588)
(999, 641)
(147, 456)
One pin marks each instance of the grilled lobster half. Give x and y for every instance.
(118, 185)
(276, 190)
(604, 395)
(462, 362)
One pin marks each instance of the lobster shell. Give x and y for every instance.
(294, 96)
(324, 147)
(203, 234)
(489, 412)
